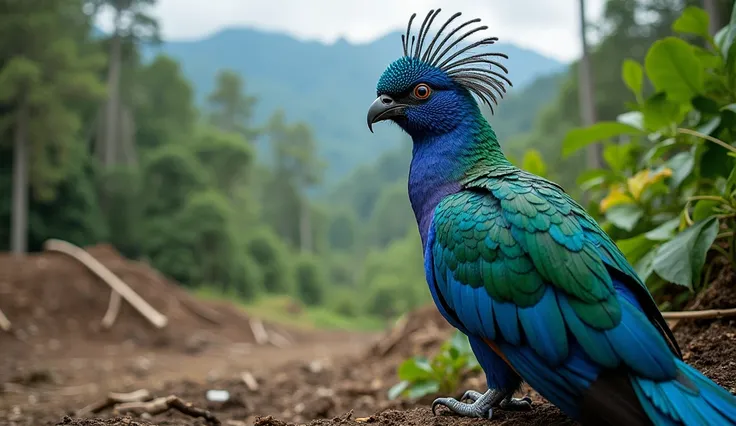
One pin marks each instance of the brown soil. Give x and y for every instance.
(325, 378)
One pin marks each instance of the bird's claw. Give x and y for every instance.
(482, 404)
(475, 409)
(516, 404)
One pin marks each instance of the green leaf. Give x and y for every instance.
(579, 138)
(460, 342)
(674, 69)
(681, 165)
(632, 118)
(633, 75)
(693, 20)
(703, 209)
(592, 178)
(534, 163)
(709, 127)
(664, 231)
(659, 150)
(414, 369)
(397, 389)
(420, 389)
(624, 216)
(645, 266)
(618, 157)
(681, 259)
(635, 248)
(660, 112)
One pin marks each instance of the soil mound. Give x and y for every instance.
(54, 300)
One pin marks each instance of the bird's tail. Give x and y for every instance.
(692, 399)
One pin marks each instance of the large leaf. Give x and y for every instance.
(624, 216)
(674, 69)
(579, 138)
(664, 231)
(693, 20)
(681, 165)
(397, 389)
(703, 209)
(414, 369)
(420, 389)
(633, 75)
(681, 259)
(618, 156)
(635, 248)
(661, 112)
(534, 163)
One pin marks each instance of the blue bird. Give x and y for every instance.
(512, 261)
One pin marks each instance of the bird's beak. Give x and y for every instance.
(383, 108)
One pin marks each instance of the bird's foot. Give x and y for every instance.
(482, 404)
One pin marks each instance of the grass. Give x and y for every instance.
(276, 309)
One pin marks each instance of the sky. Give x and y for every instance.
(550, 27)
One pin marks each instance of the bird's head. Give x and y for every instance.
(429, 91)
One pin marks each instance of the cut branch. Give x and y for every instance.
(161, 405)
(4, 322)
(115, 283)
(113, 308)
(259, 331)
(706, 314)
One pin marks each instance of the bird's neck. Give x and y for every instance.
(440, 162)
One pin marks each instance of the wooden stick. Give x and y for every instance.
(161, 405)
(706, 314)
(259, 331)
(5, 324)
(113, 398)
(115, 283)
(113, 308)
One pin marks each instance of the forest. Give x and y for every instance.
(99, 145)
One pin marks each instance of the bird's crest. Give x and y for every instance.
(467, 70)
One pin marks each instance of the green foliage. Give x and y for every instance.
(272, 257)
(668, 193)
(441, 374)
(310, 280)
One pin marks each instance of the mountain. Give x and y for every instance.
(330, 86)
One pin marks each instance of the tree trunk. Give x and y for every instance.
(718, 19)
(586, 89)
(305, 226)
(110, 147)
(19, 217)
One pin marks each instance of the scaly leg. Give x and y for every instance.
(482, 404)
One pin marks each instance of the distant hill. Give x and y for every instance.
(327, 85)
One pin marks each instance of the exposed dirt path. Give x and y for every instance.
(40, 391)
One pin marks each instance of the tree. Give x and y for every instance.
(131, 25)
(296, 169)
(164, 104)
(43, 72)
(231, 108)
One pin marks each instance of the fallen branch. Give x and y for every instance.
(5, 324)
(163, 404)
(114, 398)
(250, 382)
(706, 314)
(278, 340)
(113, 308)
(115, 283)
(259, 331)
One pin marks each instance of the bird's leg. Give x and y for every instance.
(482, 404)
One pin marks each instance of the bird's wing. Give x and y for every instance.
(513, 264)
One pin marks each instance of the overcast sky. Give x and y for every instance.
(550, 27)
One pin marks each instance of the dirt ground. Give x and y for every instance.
(321, 378)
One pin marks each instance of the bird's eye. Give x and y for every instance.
(422, 91)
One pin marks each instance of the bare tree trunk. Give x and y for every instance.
(110, 147)
(305, 226)
(718, 19)
(587, 96)
(19, 218)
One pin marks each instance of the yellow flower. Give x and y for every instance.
(615, 197)
(644, 178)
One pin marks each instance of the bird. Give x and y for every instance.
(543, 294)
